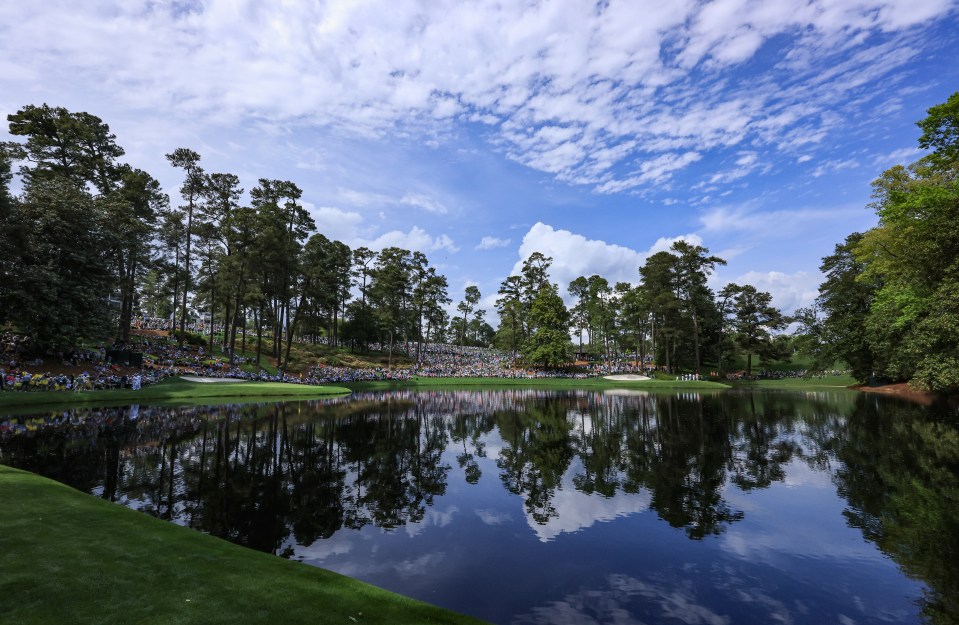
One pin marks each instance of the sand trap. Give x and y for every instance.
(209, 380)
(626, 377)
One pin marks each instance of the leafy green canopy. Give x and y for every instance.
(891, 298)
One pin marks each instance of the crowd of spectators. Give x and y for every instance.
(198, 326)
(162, 358)
(98, 378)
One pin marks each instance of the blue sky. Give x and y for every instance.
(479, 132)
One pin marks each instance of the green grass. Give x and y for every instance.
(550, 383)
(830, 381)
(68, 557)
(170, 390)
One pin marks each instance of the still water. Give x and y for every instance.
(527, 507)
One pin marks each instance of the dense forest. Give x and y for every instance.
(889, 306)
(90, 243)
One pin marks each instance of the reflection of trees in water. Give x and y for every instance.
(260, 475)
(266, 476)
(538, 450)
(468, 430)
(899, 472)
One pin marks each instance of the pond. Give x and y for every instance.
(532, 506)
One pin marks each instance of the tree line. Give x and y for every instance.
(671, 317)
(91, 242)
(889, 305)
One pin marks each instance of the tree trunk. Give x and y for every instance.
(176, 290)
(389, 360)
(696, 340)
(186, 272)
(259, 332)
(289, 330)
(243, 340)
(212, 307)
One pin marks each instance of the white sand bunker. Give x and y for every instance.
(626, 377)
(209, 380)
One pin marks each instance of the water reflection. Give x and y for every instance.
(301, 479)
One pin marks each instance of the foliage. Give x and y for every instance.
(190, 338)
(889, 304)
(58, 294)
(548, 343)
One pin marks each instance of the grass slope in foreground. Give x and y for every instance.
(67, 557)
(173, 390)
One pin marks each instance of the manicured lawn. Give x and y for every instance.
(829, 381)
(545, 383)
(67, 557)
(171, 390)
(177, 391)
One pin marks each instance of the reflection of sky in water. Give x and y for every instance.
(791, 558)
(576, 510)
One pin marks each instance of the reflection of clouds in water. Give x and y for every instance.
(366, 568)
(419, 566)
(626, 601)
(339, 543)
(577, 510)
(799, 473)
(672, 597)
(816, 525)
(772, 547)
(492, 517)
(778, 612)
(433, 517)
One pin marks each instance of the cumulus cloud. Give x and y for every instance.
(789, 291)
(417, 240)
(336, 224)
(348, 227)
(574, 255)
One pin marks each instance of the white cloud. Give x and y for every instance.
(619, 95)
(833, 166)
(336, 224)
(489, 243)
(746, 163)
(417, 240)
(789, 291)
(425, 202)
(750, 218)
(363, 198)
(905, 156)
(574, 255)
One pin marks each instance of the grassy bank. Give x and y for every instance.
(67, 557)
(172, 390)
(543, 383)
(798, 384)
(177, 391)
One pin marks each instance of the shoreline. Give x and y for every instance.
(904, 391)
